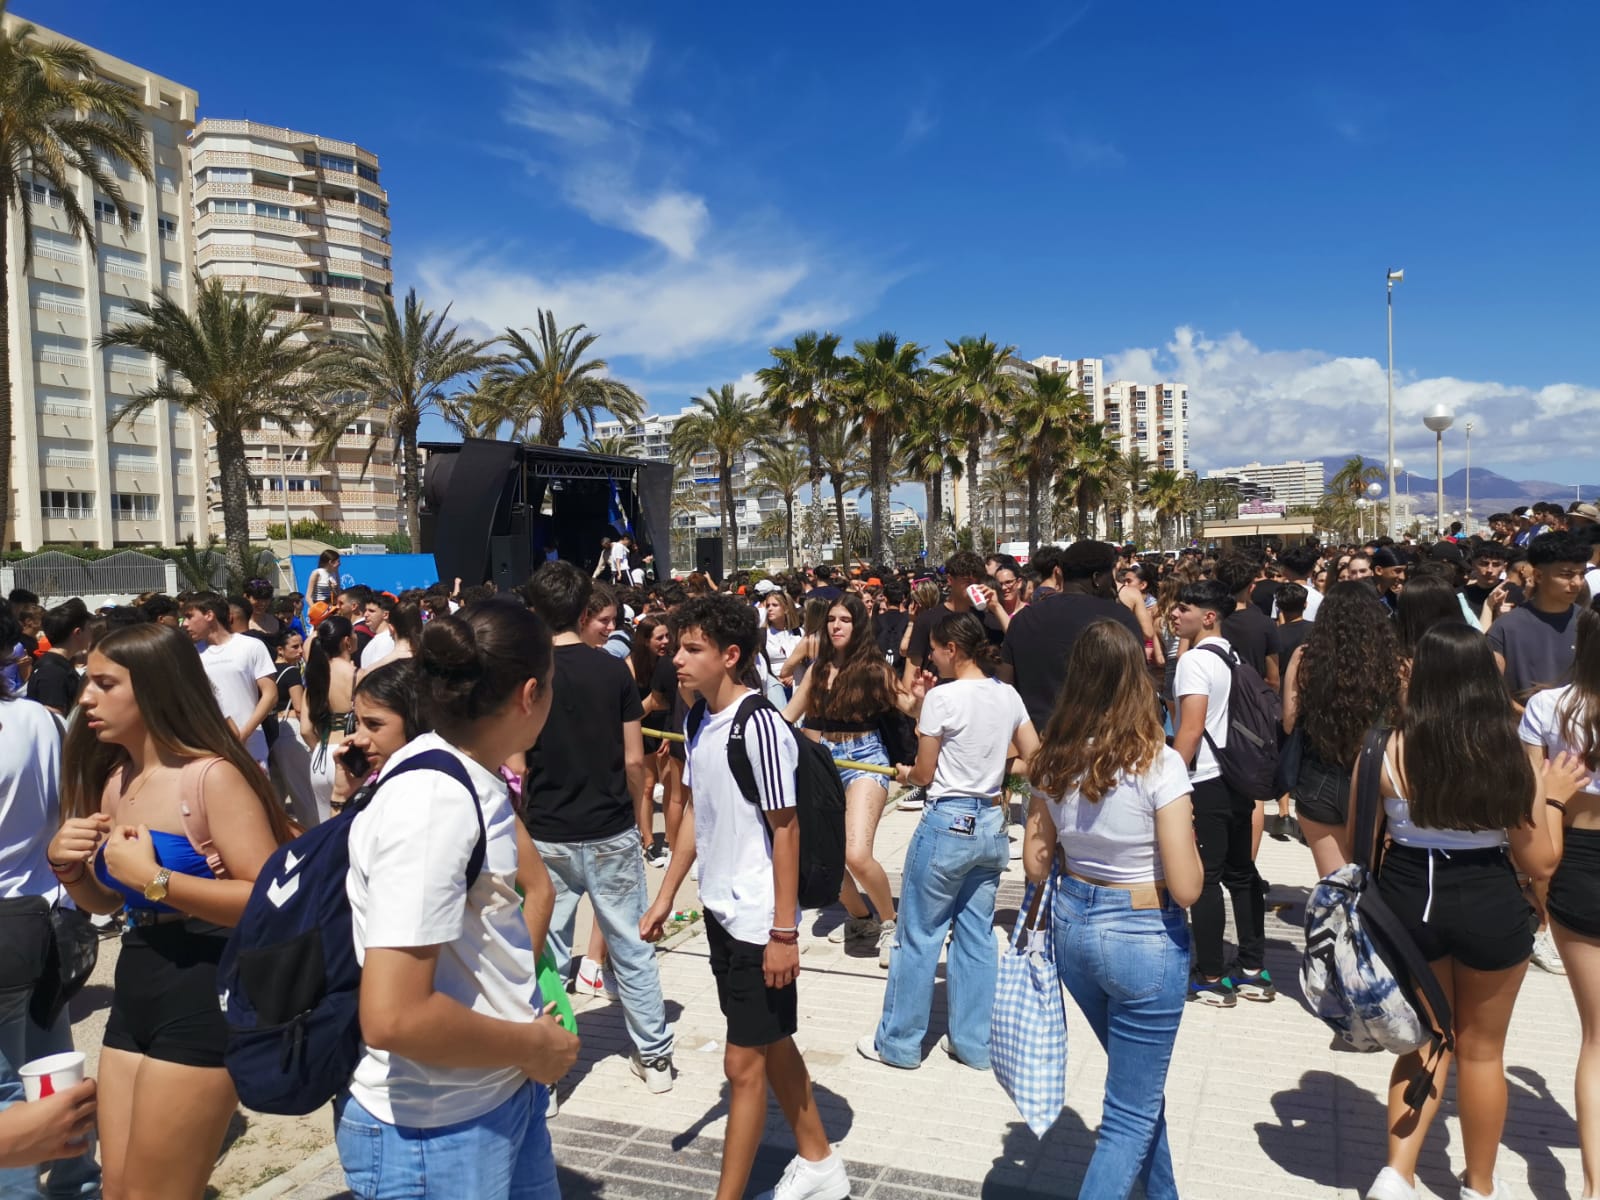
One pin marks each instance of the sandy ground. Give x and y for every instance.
(260, 1147)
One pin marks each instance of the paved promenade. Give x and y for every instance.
(1260, 1103)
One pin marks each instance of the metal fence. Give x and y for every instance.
(54, 576)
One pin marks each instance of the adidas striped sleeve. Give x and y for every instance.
(775, 756)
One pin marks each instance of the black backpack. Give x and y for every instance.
(1249, 761)
(289, 982)
(819, 800)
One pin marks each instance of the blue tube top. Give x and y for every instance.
(174, 852)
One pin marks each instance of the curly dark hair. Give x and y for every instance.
(1349, 673)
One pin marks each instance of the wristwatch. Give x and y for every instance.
(156, 890)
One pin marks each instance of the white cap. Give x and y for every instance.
(766, 586)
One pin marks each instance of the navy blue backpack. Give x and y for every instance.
(289, 982)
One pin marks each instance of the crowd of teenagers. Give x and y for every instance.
(154, 756)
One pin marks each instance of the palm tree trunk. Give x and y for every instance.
(730, 524)
(838, 513)
(879, 455)
(235, 476)
(5, 378)
(974, 453)
(788, 510)
(1034, 471)
(411, 480)
(814, 453)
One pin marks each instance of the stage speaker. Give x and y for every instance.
(510, 560)
(472, 496)
(708, 556)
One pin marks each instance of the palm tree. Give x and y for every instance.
(58, 117)
(1001, 483)
(613, 445)
(928, 453)
(399, 372)
(842, 462)
(544, 379)
(974, 379)
(800, 389)
(232, 368)
(880, 381)
(1040, 421)
(1351, 479)
(474, 414)
(1167, 493)
(1091, 473)
(1133, 474)
(781, 468)
(726, 423)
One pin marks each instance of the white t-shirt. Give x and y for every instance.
(1115, 840)
(408, 887)
(974, 720)
(619, 561)
(234, 668)
(1541, 726)
(30, 797)
(1591, 578)
(730, 834)
(780, 643)
(1313, 601)
(378, 649)
(1202, 673)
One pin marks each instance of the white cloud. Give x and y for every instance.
(610, 71)
(1088, 153)
(1247, 403)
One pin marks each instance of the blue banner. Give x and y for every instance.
(380, 572)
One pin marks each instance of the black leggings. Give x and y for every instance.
(164, 1002)
(1222, 827)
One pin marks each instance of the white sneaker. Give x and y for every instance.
(1499, 1192)
(1391, 1185)
(856, 929)
(656, 1072)
(802, 1180)
(591, 979)
(914, 800)
(553, 1108)
(1545, 954)
(885, 943)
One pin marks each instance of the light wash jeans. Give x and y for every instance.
(611, 872)
(503, 1155)
(22, 1041)
(951, 877)
(1128, 970)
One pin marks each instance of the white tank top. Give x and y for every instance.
(1405, 833)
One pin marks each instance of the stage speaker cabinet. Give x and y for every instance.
(708, 556)
(510, 561)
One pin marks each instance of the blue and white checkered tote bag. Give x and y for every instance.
(1028, 1030)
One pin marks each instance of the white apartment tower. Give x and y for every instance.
(1152, 418)
(75, 478)
(301, 218)
(1297, 484)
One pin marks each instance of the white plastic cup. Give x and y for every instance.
(54, 1073)
(979, 598)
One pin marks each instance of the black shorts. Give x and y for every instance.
(164, 1003)
(1478, 915)
(1322, 793)
(1574, 898)
(757, 1015)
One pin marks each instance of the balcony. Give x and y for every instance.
(256, 162)
(253, 191)
(226, 253)
(212, 221)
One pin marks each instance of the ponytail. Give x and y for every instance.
(325, 647)
(966, 632)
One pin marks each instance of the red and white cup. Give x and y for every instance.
(54, 1073)
(979, 598)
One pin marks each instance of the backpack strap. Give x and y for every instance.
(739, 761)
(695, 719)
(1233, 663)
(448, 764)
(192, 811)
(1370, 818)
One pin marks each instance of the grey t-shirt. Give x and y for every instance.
(1538, 648)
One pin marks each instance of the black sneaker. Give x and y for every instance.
(1254, 985)
(1219, 993)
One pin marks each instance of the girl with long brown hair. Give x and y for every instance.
(326, 717)
(1112, 800)
(168, 818)
(842, 699)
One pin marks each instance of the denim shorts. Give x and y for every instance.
(867, 748)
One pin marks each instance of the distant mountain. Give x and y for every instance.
(1491, 491)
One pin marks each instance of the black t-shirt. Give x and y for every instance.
(825, 592)
(1263, 595)
(1041, 638)
(55, 683)
(1290, 638)
(1252, 635)
(1477, 596)
(889, 627)
(922, 631)
(577, 784)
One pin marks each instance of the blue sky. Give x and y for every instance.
(1203, 192)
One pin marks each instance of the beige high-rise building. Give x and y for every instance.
(304, 219)
(1150, 417)
(77, 480)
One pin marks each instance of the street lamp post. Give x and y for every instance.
(1374, 490)
(1469, 477)
(1405, 510)
(1361, 518)
(1390, 279)
(1439, 419)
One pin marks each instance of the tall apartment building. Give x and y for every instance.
(304, 219)
(75, 478)
(1150, 417)
(1293, 483)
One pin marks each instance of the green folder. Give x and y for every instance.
(553, 989)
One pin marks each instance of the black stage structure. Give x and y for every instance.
(483, 505)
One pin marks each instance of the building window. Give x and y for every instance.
(41, 193)
(104, 210)
(333, 162)
(370, 174)
(168, 228)
(134, 507)
(67, 504)
(276, 211)
(227, 175)
(232, 208)
(373, 203)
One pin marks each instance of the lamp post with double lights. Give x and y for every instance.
(1390, 279)
(1439, 419)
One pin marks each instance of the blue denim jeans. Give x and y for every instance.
(1128, 970)
(868, 748)
(951, 877)
(611, 873)
(22, 1041)
(503, 1155)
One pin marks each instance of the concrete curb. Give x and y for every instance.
(305, 1172)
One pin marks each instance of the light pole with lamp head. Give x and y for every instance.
(1374, 490)
(1439, 419)
(1469, 477)
(1405, 511)
(1390, 279)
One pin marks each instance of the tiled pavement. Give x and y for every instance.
(1260, 1103)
